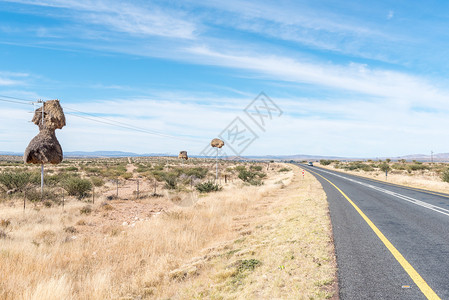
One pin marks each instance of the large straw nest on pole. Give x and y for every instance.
(217, 143)
(183, 155)
(53, 116)
(44, 148)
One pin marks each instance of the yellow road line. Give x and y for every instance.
(419, 281)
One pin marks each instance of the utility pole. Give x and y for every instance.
(42, 165)
(216, 166)
(431, 156)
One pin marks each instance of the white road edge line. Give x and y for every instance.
(397, 195)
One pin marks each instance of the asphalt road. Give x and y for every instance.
(415, 225)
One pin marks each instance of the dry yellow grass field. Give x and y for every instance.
(269, 241)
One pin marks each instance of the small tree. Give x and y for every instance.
(385, 167)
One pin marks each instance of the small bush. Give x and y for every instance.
(35, 195)
(70, 229)
(445, 175)
(284, 170)
(127, 175)
(48, 204)
(253, 178)
(256, 168)
(170, 181)
(385, 167)
(5, 223)
(97, 181)
(77, 187)
(18, 180)
(240, 168)
(3, 234)
(86, 210)
(325, 162)
(198, 172)
(417, 166)
(248, 264)
(207, 187)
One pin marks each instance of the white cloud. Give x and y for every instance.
(12, 78)
(353, 77)
(122, 16)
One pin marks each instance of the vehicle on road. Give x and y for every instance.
(310, 163)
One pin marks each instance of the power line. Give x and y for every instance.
(122, 124)
(98, 119)
(15, 101)
(126, 126)
(9, 97)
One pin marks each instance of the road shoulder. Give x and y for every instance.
(286, 252)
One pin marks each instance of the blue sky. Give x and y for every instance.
(365, 78)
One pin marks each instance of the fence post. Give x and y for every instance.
(137, 188)
(155, 185)
(116, 195)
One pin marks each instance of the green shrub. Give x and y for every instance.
(170, 180)
(397, 166)
(127, 175)
(207, 187)
(240, 168)
(78, 187)
(385, 167)
(445, 175)
(18, 180)
(97, 181)
(93, 170)
(71, 169)
(417, 166)
(35, 195)
(198, 172)
(284, 170)
(256, 168)
(253, 178)
(114, 171)
(325, 162)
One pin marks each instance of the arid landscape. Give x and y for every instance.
(138, 228)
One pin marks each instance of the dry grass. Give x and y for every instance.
(51, 253)
(289, 242)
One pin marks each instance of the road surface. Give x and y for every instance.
(392, 242)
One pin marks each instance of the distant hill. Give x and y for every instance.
(100, 154)
(437, 157)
